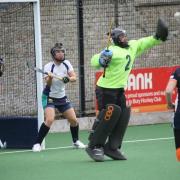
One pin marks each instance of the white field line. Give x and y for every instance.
(67, 147)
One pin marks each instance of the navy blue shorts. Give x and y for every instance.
(62, 104)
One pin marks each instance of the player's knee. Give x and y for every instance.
(73, 122)
(72, 119)
(104, 124)
(112, 111)
(49, 121)
(49, 118)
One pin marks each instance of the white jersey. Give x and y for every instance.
(57, 89)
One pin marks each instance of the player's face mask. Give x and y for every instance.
(119, 37)
(123, 41)
(59, 55)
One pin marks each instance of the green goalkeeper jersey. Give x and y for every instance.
(122, 61)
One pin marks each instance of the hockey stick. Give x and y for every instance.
(30, 65)
(108, 43)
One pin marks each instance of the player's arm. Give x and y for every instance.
(169, 90)
(145, 43)
(72, 76)
(95, 61)
(161, 34)
(103, 59)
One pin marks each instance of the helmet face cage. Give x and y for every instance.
(116, 33)
(57, 47)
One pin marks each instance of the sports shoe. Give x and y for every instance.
(178, 154)
(114, 154)
(97, 154)
(79, 145)
(36, 148)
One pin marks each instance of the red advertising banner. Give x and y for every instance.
(145, 90)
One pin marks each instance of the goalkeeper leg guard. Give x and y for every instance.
(96, 123)
(102, 127)
(104, 124)
(116, 137)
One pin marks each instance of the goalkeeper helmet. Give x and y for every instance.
(116, 34)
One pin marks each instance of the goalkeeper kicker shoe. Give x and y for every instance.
(97, 154)
(79, 145)
(36, 148)
(114, 154)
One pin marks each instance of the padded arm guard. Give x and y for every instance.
(161, 30)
